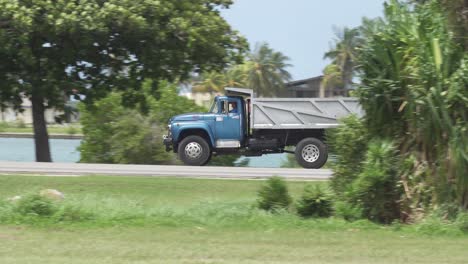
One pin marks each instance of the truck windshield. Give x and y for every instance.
(214, 107)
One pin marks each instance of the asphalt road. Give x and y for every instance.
(81, 169)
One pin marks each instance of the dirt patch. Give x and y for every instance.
(7, 237)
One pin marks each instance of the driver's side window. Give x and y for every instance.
(223, 105)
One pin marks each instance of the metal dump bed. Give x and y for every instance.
(297, 113)
(301, 113)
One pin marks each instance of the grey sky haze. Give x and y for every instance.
(300, 29)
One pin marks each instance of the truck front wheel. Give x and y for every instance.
(311, 153)
(194, 151)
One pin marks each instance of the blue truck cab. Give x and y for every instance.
(195, 136)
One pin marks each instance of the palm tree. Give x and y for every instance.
(215, 82)
(344, 53)
(332, 77)
(266, 71)
(210, 82)
(235, 76)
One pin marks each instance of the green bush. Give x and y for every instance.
(274, 195)
(349, 143)
(71, 213)
(315, 202)
(35, 204)
(20, 123)
(376, 189)
(348, 211)
(71, 130)
(114, 133)
(462, 222)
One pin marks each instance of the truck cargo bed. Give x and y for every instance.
(301, 113)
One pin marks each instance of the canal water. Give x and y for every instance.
(65, 150)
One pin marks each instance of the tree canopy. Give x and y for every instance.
(264, 71)
(50, 47)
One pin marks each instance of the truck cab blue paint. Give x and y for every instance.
(218, 124)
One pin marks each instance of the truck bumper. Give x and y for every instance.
(168, 143)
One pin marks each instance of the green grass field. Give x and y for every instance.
(52, 129)
(169, 220)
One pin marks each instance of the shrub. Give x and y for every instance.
(71, 130)
(315, 202)
(274, 195)
(349, 143)
(462, 222)
(376, 189)
(20, 123)
(71, 213)
(348, 211)
(35, 204)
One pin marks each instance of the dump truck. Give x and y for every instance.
(239, 123)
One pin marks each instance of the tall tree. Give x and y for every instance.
(215, 82)
(344, 52)
(414, 79)
(50, 47)
(266, 71)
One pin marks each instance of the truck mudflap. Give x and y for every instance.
(168, 143)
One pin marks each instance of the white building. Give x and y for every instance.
(10, 115)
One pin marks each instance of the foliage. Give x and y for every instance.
(215, 82)
(36, 205)
(137, 141)
(349, 142)
(343, 55)
(416, 94)
(315, 202)
(167, 103)
(49, 48)
(462, 222)
(274, 195)
(332, 78)
(264, 71)
(348, 211)
(72, 130)
(115, 134)
(376, 189)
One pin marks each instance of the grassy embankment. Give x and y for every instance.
(164, 220)
(72, 129)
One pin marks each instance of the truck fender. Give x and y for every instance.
(195, 126)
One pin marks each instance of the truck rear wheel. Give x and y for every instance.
(194, 151)
(311, 153)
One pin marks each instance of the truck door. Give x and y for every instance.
(228, 124)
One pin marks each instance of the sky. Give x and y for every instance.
(303, 30)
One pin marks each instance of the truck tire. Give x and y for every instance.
(311, 153)
(194, 151)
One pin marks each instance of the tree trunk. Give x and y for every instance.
(41, 137)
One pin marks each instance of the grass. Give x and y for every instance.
(169, 220)
(52, 129)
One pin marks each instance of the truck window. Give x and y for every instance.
(214, 107)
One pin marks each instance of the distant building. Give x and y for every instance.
(52, 115)
(312, 87)
(201, 99)
(10, 115)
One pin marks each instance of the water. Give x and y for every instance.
(22, 149)
(65, 150)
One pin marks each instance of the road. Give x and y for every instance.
(81, 169)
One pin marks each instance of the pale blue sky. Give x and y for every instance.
(301, 29)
